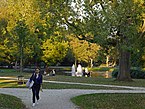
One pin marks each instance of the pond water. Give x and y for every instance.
(105, 74)
(67, 72)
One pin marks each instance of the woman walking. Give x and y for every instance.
(37, 79)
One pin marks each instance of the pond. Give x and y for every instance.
(105, 74)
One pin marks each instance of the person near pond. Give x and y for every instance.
(73, 70)
(87, 73)
(84, 73)
(79, 72)
(37, 86)
(53, 72)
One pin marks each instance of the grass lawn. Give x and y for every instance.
(10, 102)
(90, 80)
(8, 83)
(12, 73)
(110, 101)
(90, 101)
(97, 80)
(74, 86)
(4, 83)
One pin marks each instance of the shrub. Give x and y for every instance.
(134, 73)
(115, 73)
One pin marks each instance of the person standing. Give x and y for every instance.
(87, 72)
(73, 70)
(37, 86)
(79, 72)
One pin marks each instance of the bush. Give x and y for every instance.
(115, 73)
(100, 69)
(134, 73)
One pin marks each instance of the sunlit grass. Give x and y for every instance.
(9, 83)
(14, 84)
(90, 80)
(62, 78)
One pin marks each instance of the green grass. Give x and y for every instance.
(7, 83)
(92, 101)
(13, 84)
(10, 102)
(110, 101)
(74, 86)
(97, 80)
(101, 69)
(13, 73)
(90, 80)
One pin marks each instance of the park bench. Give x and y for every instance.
(68, 73)
(20, 79)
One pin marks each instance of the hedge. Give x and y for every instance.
(134, 73)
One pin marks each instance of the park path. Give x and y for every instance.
(54, 98)
(60, 98)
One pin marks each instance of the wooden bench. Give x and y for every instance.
(20, 79)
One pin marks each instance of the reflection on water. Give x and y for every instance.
(105, 74)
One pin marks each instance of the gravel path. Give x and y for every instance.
(56, 99)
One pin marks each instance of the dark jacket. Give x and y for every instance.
(37, 81)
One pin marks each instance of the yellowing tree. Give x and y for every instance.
(83, 51)
(54, 49)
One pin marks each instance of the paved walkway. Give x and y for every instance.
(56, 99)
(60, 99)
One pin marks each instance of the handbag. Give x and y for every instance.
(29, 84)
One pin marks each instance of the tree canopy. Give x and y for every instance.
(49, 31)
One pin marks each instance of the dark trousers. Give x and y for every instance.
(35, 91)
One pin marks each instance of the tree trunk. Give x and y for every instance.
(75, 63)
(107, 61)
(21, 58)
(124, 66)
(16, 65)
(91, 63)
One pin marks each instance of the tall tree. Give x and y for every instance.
(120, 21)
(5, 51)
(22, 32)
(117, 23)
(14, 11)
(83, 50)
(54, 49)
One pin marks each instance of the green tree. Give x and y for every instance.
(120, 21)
(116, 23)
(22, 32)
(82, 50)
(54, 49)
(5, 55)
(14, 11)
